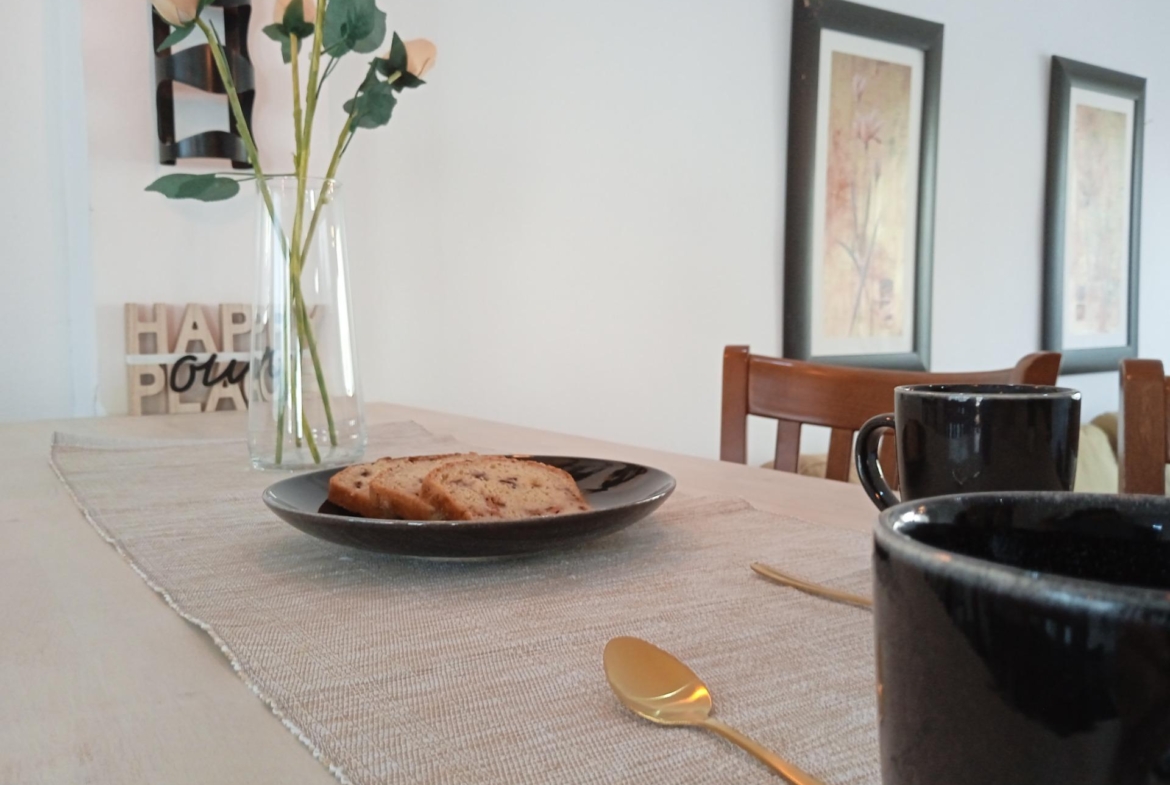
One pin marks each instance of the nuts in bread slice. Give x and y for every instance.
(496, 487)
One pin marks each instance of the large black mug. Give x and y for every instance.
(1024, 639)
(965, 438)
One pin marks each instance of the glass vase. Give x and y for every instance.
(305, 402)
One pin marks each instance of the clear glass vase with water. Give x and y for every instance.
(305, 401)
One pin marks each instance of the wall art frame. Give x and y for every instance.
(1092, 218)
(864, 98)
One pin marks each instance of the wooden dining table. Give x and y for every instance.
(101, 682)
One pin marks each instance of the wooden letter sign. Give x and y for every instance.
(203, 370)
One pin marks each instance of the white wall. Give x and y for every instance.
(594, 202)
(45, 315)
(586, 203)
(586, 207)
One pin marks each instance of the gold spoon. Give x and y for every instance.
(655, 685)
(815, 589)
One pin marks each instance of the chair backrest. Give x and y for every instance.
(796, 393)
(1143, 427)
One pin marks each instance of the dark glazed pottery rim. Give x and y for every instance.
(996, 391)
(1047, 588)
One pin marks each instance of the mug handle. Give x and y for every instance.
(869, 469)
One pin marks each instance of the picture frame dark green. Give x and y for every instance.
(1067, 77)
(809, 21)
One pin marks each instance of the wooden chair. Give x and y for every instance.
(796, 393)
(1143, 427)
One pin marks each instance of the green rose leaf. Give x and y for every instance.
(216, 190)
(353, 26)
(202, 187)
(295, 22)
(406, 80)
(372, 41)
(177, 35)
(277, 33)
(370, 80)
(169, 184)
(373, 106)
(396, 61)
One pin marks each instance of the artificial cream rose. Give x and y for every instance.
(177, 12)
(420, 56)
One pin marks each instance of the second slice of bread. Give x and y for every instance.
(496, 487)
(398, 486)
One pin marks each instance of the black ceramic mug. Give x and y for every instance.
(964, 438)
(1024, 639)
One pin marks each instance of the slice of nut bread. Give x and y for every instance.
(398, 486)
(350, 488)
(495, 487)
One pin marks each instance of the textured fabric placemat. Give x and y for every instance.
(401, 670)
(802, 557)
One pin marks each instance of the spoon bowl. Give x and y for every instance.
(652, 683)
(657, 686)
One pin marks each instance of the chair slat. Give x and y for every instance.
(840, 451)
(1143, 428)
(733, 431)
(1166, 398)
(787, 446)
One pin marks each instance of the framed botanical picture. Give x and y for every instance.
(1092, 226)
(862, 146)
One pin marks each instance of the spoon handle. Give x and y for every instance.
(790, 773)
(772, 574)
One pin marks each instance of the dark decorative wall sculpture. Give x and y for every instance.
(195, 67)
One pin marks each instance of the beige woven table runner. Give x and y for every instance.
(400, 670)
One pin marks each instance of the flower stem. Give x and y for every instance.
(303, 329)
(309, 439)
(293, 358)
(312, 89)
(307, 331)
(296, 84)
(300, 251)
(333, 61)
(229, 84)
(294, 261)
(292, 302)
(343, 139)
(301, 158)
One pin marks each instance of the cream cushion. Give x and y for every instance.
(1096, 462)
(816, 464)
(1094, 480)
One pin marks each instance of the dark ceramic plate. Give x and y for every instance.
(618, 493)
